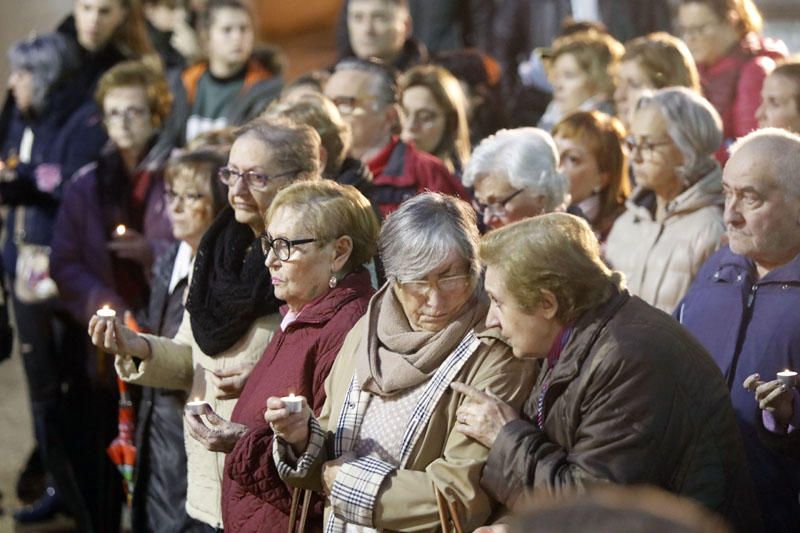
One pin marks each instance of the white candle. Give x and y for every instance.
(106, 312)
(198, 407)
(788, 377)
(292, 403)
(120, 231)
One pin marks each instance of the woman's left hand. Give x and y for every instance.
(482, 415)
(221, 437)
(331, 469)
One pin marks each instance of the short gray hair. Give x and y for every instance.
(295, 146)
(693, 125)
(47, 57)
(780, 149)
(424, 231)
(528, 158)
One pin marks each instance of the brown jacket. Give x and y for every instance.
(633, 399)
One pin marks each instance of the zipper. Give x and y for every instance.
(748, 315)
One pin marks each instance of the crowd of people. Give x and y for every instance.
(504, 266)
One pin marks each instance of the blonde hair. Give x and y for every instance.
(138, 74)
(597, 54)
(665, 59)
(556, 252)
(330, 211)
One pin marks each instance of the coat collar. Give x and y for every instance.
(733, 268)
(321, 310)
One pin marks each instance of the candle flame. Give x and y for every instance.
(106, 307)
(121, 229)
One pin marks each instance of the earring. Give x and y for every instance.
(333, 282)
(596, 189)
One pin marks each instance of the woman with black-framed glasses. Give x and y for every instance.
(231, 310)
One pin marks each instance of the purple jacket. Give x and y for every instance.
(80, 262)
(751, 326)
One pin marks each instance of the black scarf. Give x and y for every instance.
(230, 285)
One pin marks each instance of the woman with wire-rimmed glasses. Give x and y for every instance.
(231, 310)
(515, 176)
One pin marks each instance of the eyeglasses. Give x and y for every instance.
(646, 148)
(445, 285)
(254, 180)
(187, 198)
(351, 106)
(498, 208)
(699, 30)
(281, 246)
(128, 114)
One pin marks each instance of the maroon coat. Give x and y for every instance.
(296, 360)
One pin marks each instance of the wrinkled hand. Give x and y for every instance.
(482, 415)
(772, 396)
(231, 381)
(497, 528)
(222, 436)
(292, 428)
(117, 338)
(133, 246)
(331, 469)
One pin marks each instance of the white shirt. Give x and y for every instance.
(183, 265)
(583, 10)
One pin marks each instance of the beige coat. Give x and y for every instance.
(441, 456)
(661, 256)
(178, 363)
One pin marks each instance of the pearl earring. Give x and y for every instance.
(333, 282)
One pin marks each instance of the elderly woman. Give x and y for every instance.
(582, 72)
(652, 62)
(590, 145)
(434, 115)
(780, 98)
(231, 310)
(625, 395)
(383, 444)
(515, 175)
(319, 236)
(673, 221)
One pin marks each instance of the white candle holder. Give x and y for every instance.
(106, 312)
(198, 407)
(292, 403)
(788, 378)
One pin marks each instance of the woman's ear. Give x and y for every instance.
(548, 304)
(342, 249)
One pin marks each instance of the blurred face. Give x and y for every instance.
(230, 38)
(191, 210)
(500, 203)
(423, 119)
(96, 21)
(762, 218)
(127, 117)
(163, 16)
(632, 81)
(571, 85)
(707, 36)
(432, 303)
(778, 108)
(250, 205)
(305, 275)
(377, 28)
(370, 121)
(529, 334)
(579, 164)
(21, 84)
(655, 156)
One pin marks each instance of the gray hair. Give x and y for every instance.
(295, 146)
(693, 125)
(424, 231)
(528, 157)
(384, 77)
(780, 149)
(47, 57)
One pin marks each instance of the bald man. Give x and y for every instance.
(744, 305)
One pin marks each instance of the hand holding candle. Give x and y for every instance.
(788, 378)
(106, 312)
(292, 403)
(288, 417)
(114, 337)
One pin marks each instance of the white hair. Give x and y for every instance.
(780, 149)
(527, 157)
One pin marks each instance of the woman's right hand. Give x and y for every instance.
(292, 428)
(116, 338)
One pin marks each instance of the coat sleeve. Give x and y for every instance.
(170, 363)
(627, 414)
(748, 94)
(407, 501)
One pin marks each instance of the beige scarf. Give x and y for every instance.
(393, 357)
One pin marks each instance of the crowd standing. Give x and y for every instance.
(503, 266)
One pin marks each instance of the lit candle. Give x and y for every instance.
(788, 377)
(106, 312)
(198, 407)
(292, 403)
(120, 231)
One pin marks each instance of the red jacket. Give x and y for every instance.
(296, 360)
(733, 85)
(401, 171)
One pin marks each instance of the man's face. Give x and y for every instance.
(377, 28)
(352, 92)
(96, 21)
(762, 217)
(230, 37)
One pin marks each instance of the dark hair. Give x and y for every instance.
(748, 17)
(385, 76)
(131, 37)
(207, 17)
(200, 166)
